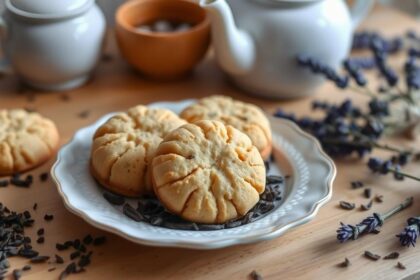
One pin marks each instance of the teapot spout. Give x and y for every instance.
(235, 50)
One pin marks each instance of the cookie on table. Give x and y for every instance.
(208, 172)
(26, 140)
(125, 145)
(246, 117)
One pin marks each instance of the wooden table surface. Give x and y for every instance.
(310, 251)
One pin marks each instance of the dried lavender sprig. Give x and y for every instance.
(384, 167)
(408, 236)
(370, 224)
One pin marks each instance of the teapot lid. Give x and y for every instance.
(47, 8)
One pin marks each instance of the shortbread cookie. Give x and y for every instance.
(208, 172)
(26, 140)
(125, 145)
(246, 117)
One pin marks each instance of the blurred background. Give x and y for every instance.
(409, 6)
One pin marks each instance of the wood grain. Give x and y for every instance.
(307, 252)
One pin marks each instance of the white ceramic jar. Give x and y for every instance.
(52, 45)
(257, 41)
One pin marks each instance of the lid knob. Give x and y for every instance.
(48, 7)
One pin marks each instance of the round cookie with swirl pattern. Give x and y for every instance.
(123, 149)
(246, 117)
(27, 140)
(208, 172)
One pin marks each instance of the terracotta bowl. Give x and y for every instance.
(162, 55)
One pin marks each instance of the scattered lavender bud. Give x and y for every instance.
(409, 235)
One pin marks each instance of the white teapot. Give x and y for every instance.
(52, 44)
(257, 41)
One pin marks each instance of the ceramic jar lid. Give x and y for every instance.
(47, 8)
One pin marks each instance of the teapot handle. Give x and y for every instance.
(360, 10)
(4, 63)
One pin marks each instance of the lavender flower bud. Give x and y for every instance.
(372, 223)
(347, 232)
(409, 235)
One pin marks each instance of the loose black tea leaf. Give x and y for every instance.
(99, 240)
(347, 205)
(114, 199)
(356, 184)
(40, 240)
(379, 198)
(68, 243)
(48, 217)
(59, 259)
(51, 269)
(366, 207)
(392, 256)
(400, 265)
(345, 263)
(40, 231)
(65, 97)
(255, 275)
(84, 114)
(28, 253)
(61, 247)
(88, 239)
(74, 255)
(35, 206)
(26, 267)
(71, 268)
(18, 182)
(368, 192)
(39, 259)
(82, 248)
(76, 244)
(84, 260)
(273, 179)
(132, 213)
(43, 177)
(371, 256)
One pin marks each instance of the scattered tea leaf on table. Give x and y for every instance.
(372, 256)
(392, 256)
(347, 205)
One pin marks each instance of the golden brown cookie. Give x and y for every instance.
(124, 146)
(246, 117)
(26, 140)
(208, 172)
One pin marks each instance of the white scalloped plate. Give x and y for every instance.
(297, 154)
